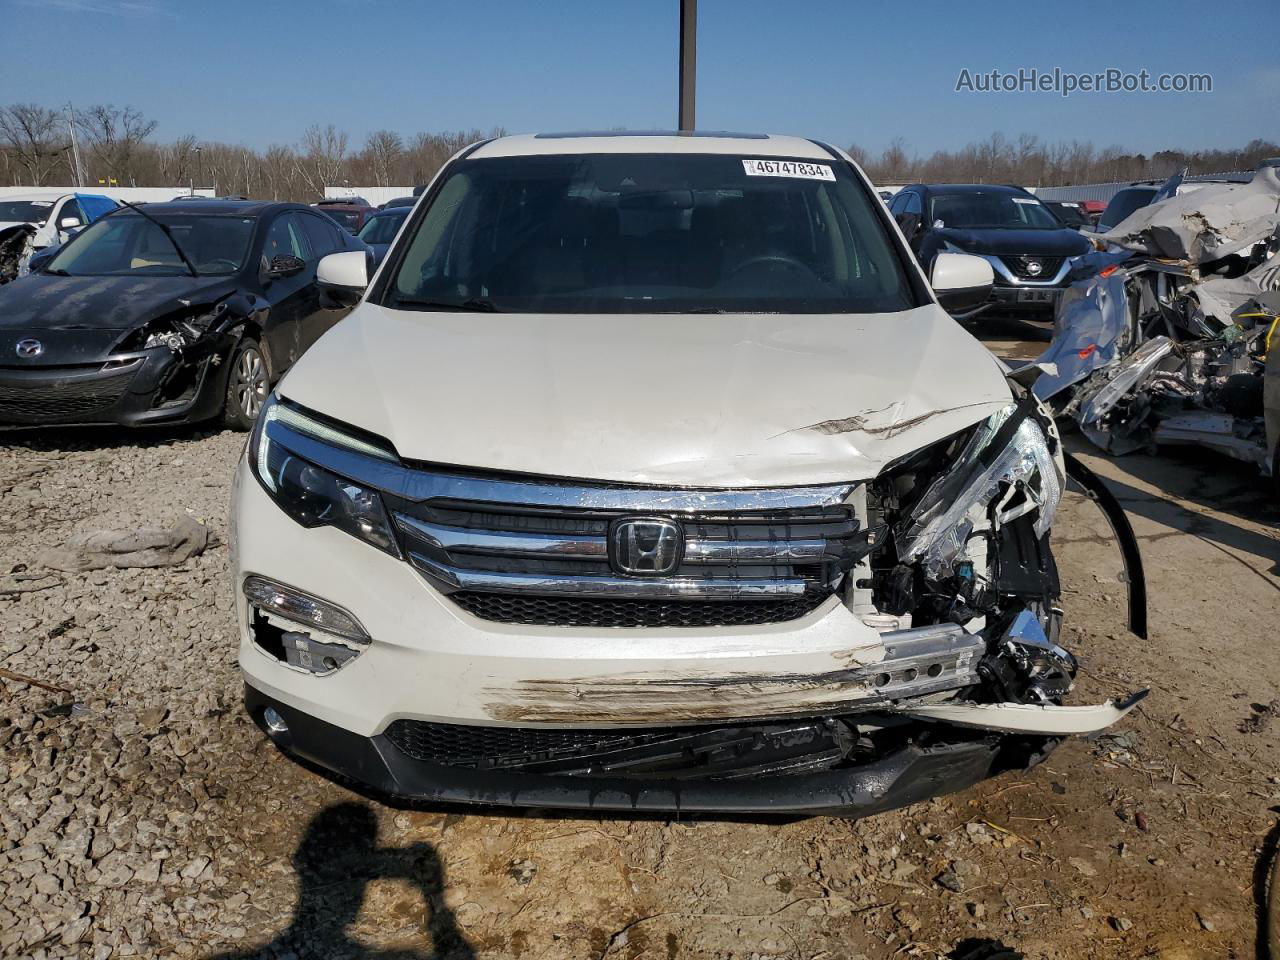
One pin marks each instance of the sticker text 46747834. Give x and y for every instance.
(788, 168)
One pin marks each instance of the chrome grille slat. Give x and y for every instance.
(505, 543)
(761, 551)
(710, 588)
(471, 540)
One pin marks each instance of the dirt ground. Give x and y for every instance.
(143, 815)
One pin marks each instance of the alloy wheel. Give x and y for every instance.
(251, 381)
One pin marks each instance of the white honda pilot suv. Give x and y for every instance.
(650, 473)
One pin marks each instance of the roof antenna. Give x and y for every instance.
(688, 62)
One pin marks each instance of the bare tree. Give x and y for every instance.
(323, 156)
(114, 136)
(35, 139)
(383, 151)
(177, 160)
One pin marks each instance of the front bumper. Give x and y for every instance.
(154, 386)
(911, 774)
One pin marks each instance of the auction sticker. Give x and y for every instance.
(787, 168)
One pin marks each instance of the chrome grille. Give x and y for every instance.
(754, 550)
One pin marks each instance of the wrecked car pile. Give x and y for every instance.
(1165, 337)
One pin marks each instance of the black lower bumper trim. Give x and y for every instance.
(905, 776)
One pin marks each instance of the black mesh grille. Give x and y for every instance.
(1049, 267)
(716, 752)
(71, 400)
(596, 612)
(455, 743)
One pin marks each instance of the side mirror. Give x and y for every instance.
(69, 223)
(285, 265)
(961, 281)
(343, 278)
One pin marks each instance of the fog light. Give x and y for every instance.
(275, 723)
(292, 604)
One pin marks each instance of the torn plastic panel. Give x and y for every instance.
(1091, 329)
(1134, 576)
(1203, 225)
(1040, 718)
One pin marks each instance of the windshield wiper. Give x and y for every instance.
(471, 304)
(166, 231)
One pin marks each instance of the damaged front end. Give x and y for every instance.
(169, 369)
(923, 653)
(1169, 339)
(16, 248)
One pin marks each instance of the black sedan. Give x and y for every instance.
(167, 313)
(1030, 250)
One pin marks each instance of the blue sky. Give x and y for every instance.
(260, 72)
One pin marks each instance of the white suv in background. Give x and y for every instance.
(650, 473)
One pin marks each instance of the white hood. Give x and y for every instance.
(670, 399)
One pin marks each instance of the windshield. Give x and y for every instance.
(977, 209)
(1124, 203)
(25, 211)
(649, 233)
(126, 243)
(382, 228)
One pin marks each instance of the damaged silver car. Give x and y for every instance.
(1169, 334)
(650, 473)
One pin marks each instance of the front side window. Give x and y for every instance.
(976, 209)
(651, 233)
(130, 244)
(285, 239)
(322, 234)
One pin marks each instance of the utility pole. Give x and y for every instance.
(199, 167)
(688, 61)
(75, 144)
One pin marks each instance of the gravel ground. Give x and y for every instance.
(143, 815)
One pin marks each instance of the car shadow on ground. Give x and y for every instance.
(1205, 479)
(335, 862)
(79, 439)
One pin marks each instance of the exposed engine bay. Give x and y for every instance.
(15, 251)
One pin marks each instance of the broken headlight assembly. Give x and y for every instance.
(1008, 467)
(177, 331)
(312, 495)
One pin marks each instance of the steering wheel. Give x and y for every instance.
(230, 263)
(773, 258)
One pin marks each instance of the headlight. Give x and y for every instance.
(312, 495)
(1021, 478)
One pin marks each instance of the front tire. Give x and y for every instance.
(248, 384)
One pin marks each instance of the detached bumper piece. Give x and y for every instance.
(808, 766)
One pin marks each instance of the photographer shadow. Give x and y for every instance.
(335, 861)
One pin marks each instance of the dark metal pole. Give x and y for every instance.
(688, 60)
